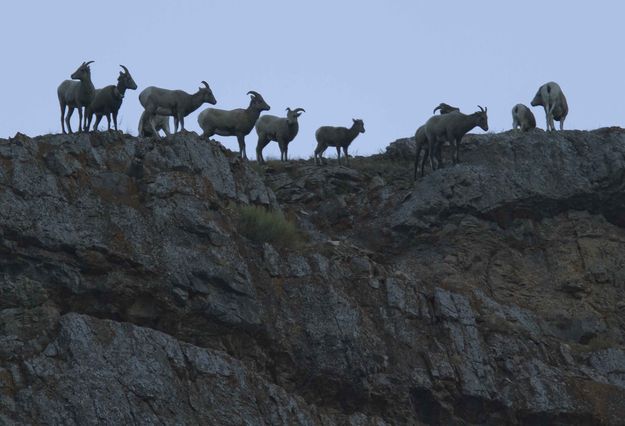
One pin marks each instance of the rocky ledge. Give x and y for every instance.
(490, 292)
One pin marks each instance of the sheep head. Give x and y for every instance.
(445, 108)
(291, 115)
(358, 125)
(257, 102)
(207, 94)
(482, 118)
(538, 99)
(126, 79)
(83, 72)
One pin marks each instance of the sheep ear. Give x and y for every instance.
(354, 120)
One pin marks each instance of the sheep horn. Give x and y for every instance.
(125, 69)
(205, 84)
(87, 63)
(481, 109)
(251, 92)
(436, 109)
(288, 109)
(300, 109)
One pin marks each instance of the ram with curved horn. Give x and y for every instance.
(280, 129)
(108, 100)
(445, 108)
(237, 122)
(452, 127)
(171, 103)
(76, 94)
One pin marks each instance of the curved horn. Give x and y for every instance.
(125, 69)
(300, 110)
(251, 92)
(436, 109)
(481, 109)
(288, 109)
(205, 84)
(87, 63)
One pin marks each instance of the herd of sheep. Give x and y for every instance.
(160, 104)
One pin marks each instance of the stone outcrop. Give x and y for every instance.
(491, 292)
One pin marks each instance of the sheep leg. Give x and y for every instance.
(286, 152)
(439, 156)
(115, 120)
(80, 123)
(432, 146)
(63, 118)
(338, 154)
(108, 120)
(70, 112)
(262, 143)
(457, 151)
(181, 121)
(98, 117)
(241, 140)
(346, 155)
(175, 124)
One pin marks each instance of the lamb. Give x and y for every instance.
(108, 100)
(421, 140)
(452, 127)
(237, 122)
(176, 103)
(282, 130)
(445, 108)
(339, 137)
(523, 117)
(551, 97)
(76, 94)
(161, 122)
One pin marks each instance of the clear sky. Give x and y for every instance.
(387, 62)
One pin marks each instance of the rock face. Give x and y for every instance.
(491, 292)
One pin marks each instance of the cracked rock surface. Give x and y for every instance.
(490, 292)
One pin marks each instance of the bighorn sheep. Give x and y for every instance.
(76, 94)
(421, 140)
(237, 122)
(551, 97)
(161, 122)
(452, 127)
(339, 137)
(175, 103)
(108, 100)
(445, 108)
(282, 130)
(522, 117)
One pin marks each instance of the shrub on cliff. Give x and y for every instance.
(265, 226)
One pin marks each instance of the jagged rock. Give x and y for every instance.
(488, 293)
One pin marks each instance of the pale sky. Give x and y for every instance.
(387, 62)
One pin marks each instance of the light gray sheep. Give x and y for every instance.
(339, 137)
(237, 122)
(421, 141)
(280, 129)
(522, 117)
(551, 97)
(161, 122)
(174, 103)
(108, 100)
(452, 127)
(76, 94)
(445, 108)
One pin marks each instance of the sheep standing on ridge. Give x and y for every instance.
(421, 141)
(280, 129)
(522, 117)
(551, 97)
(176, 103)
(237, 122)
(108, 100)
(452, 127)
(76, 94)
(339, 137)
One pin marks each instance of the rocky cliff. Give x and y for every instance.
(491, 292)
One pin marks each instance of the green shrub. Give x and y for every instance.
(265, 226)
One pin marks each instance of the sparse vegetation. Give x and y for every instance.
(266, 226)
